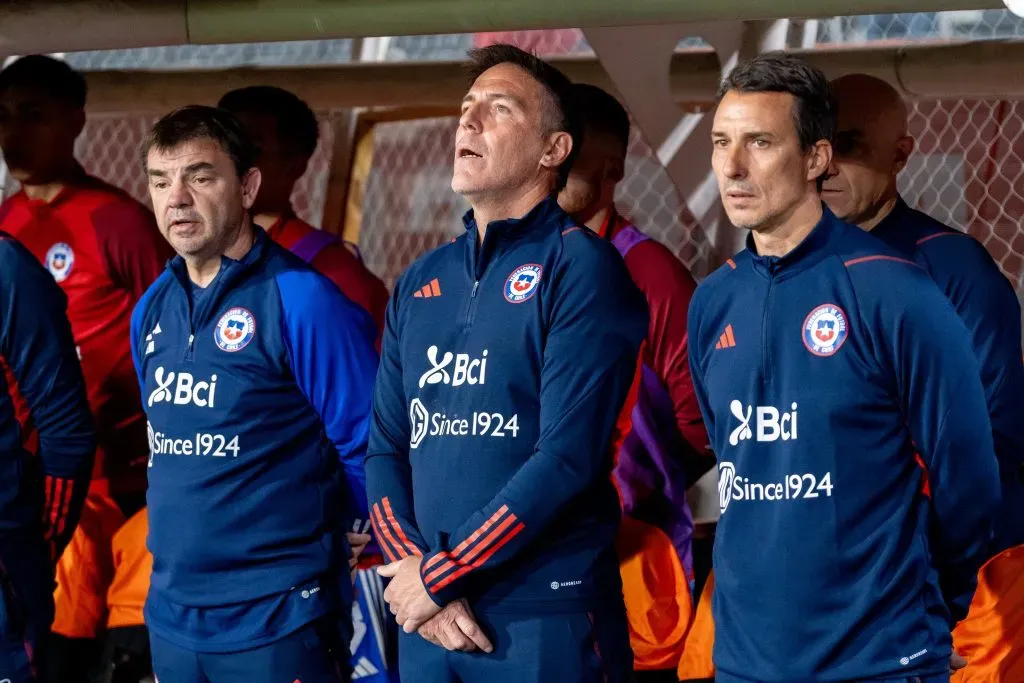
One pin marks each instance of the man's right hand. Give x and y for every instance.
(454, 628)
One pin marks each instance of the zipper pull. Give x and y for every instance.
(191, 338)
(476, 284)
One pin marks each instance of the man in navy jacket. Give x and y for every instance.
(507, 356)
(41, 496)
(256, 375)
(849, 398)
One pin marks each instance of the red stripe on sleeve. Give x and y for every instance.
(381, 534)
(481, 560)
(408, 546)
(472, 538)
(386, 532)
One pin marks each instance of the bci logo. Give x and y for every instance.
(770, 423)
(183, 392)
(466, 370)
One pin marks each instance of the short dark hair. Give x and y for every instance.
(197, 121)
(297, 128)
(814, 112)
(602, 113)
(51, 76)
(564, 117)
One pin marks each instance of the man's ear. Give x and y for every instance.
(251, 187)
(819, 159)
(559, 148)
(904, 148)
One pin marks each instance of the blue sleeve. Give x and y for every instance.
(36, 341)
(597, 323)
(388, 472)
(927, 349)
(988, 306)
(696, 360)
(331, 348)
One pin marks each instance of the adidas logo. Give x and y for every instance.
(150, 342)
(726, 341)
(429, 290)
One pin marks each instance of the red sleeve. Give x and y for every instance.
(668, 287)
(355, 281)
(135, 251)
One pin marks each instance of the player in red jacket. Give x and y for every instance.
(104, 250)
(663, 446)
(286, 133)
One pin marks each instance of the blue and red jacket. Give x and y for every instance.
(257, 390)
(965, 272)
(41, 497)
(827, 377)
(505, 364)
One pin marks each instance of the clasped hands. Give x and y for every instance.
(451, 627)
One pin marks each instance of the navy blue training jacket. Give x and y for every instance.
(983, 297)
(848, 368)
(258, 403)
(504, 367)
(38, 350)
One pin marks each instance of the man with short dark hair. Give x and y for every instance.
(39, 507)
(285, 132)
(103, 249)
(256, 373)
(507, 356)
(857, 477)
(872, 148)
(662, 449)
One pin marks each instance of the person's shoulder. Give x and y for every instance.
(14, 257)
(112, 209)
(864, 255)
(945, 248)
(724, 278)
(430, 263)
(15, 201)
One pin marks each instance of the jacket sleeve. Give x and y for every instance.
(696, 365)
(597, 322)
(988, 306)
(388, 473)
(939, 389)
(36, 341)
(330, 344)
(668, 288)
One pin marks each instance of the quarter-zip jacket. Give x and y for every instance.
(845, 371)
(965, 272)
(505, 364)
(258, 403)
(38, 352)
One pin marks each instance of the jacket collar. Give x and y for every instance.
(230, 269)
(810, 251)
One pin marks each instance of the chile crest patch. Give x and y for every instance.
(59, 260)
(235, 329)
(522, 284)
(825, 330)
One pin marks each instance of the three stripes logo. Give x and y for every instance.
(433, 288)
(444, 568)
(727, 340)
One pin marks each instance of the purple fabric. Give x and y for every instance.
(648, 474)
(310, 244)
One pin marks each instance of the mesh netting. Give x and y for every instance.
(967, 170)
(109, 148)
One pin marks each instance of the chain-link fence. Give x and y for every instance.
(110, 149)
(409, 208)
(967, 170)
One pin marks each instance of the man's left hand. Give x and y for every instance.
(406, 594)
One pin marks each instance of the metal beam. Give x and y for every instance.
(989, 69)
(66, 25)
